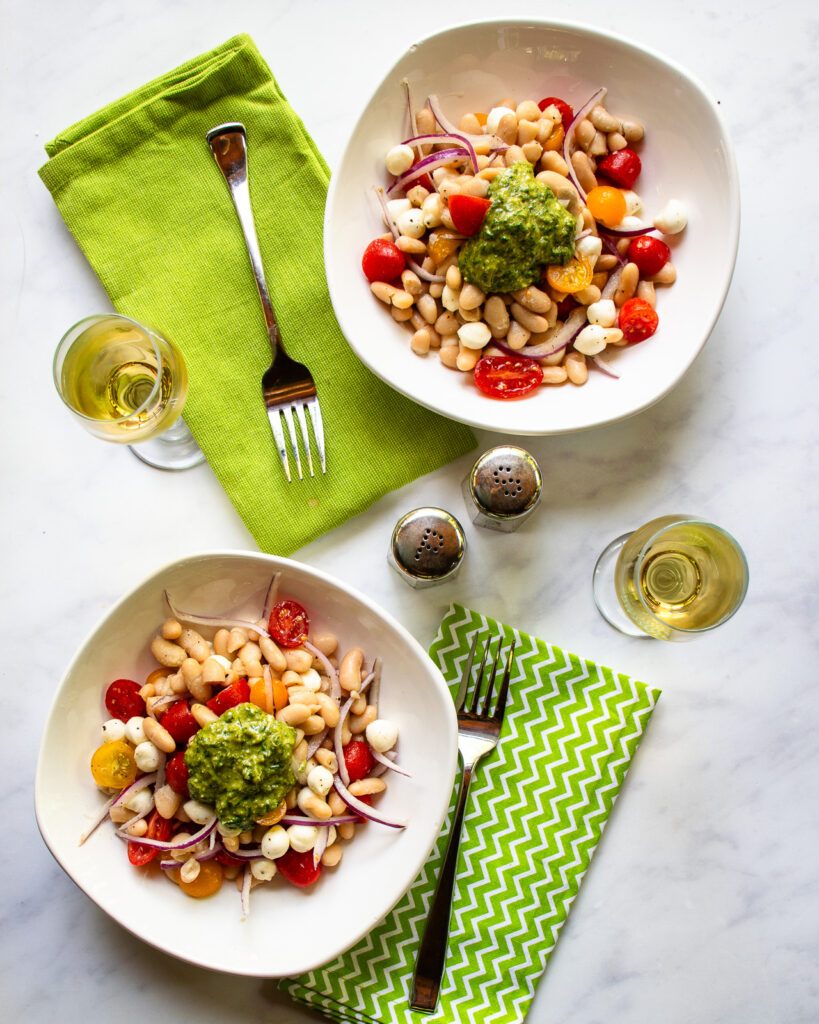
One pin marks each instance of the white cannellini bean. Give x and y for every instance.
(399, 159)
(140, 802)
(113, 730)
(591, 340)
(302, 837)
(672, 219)
(264, 870)
(474, 335)
(198, 812)
(320, 780)
(493, 118)
(275, 842)
(449, 299)
(134, 731)
(311, 679)
(395, 207)
(589, 247)
(411, 223)
(431, 210)
(147, 756)
(382, 734)
(634, 204)
(603, 313)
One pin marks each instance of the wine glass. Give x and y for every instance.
(126, 383)
(674, 578)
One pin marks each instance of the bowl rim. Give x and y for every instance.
(369, 921)
(732, 205)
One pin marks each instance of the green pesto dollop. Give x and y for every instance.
(524, 230)
(241, 764)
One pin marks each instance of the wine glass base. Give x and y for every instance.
(605, 593)
(172, 451)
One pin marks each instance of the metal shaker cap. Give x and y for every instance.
(427, 546)
(505, 482)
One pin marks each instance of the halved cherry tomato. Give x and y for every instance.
(207, 882)
(158, 828)
(566, 112)
(573, 277)
(236, 693)
(359, 760)
(607, 205)
(507, 376)
(227, 858)
(179, 722)
(442, 247)
(638, 320)
(298, 868)
(468, 212)
(269, 699)
(622, 167)
(289, 624)
(482, 118)
(649, 253)
(382, 261)
(113, 765)
(176, 774)
(122, 700)
(555, 140)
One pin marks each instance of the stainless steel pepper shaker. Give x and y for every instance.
(503, 488)
(427, 547)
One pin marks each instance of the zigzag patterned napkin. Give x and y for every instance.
(536, 811)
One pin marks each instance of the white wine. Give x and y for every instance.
(679, 575)
(126, 382)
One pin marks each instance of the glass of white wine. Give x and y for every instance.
(127, 384)
(673, 578)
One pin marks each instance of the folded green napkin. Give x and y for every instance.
(536, 810)
(138, 187)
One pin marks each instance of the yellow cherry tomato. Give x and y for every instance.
(555, 140)
(573, 277)
(481, 117)
(206, 883)
(607, 205)
(113, 765)
(441, 248)
(270, 700)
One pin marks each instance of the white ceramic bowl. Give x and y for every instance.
(686, 155)
(289, 930)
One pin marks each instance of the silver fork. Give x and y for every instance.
(478, 733)
(287, 386)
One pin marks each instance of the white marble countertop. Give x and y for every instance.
(701, 905)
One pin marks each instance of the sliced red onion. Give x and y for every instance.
(427, 164)
(601, 364)
(390, 764)
(364, 810)
(563, 337)
(375, 689)
(568, 141)
(643, 229)
(140, 783)
(300, 819)
(270, 597)
(162, 703)
(218, 621)
(329, 669)
(448, 126)
(100, 818)
(245, 894)
(170, 865)
(321, 845)
(316, 741)
(612, 249)
(456, 138)
(410, 111)
(613, 283)
(338, 746)
(158, 844)
(132, 821)
(379, 194)
(254, 853)
(425, 275)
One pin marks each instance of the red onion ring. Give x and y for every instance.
(270, 597)
(295, 819)
(448, 126)
(427, 164)
(158, 844)
(213, 620)
(364, 809)
(103, 814)
(568, 141)
(379, 193)
(390, 764)
(601, 364)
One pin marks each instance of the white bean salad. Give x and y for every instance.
(253, 754)
(516, 245)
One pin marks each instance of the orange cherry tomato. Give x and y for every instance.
(607, 205)
(207, 882)
(270, 697)
(555, 140)
(441, 247)
(113, 765)
(481, 118)
(573, 277)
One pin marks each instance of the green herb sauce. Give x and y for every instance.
(241, 765)
(525, 229)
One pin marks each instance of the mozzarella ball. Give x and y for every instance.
(147, 756)
(302, 837)
(198, 812)
(411, 223)
(494, 117)
(134, 732)
(320, 780)
(113, 730)
(603, 313)
(139, 802)
(591, 340)
(275, 842)
(264, 870)
(474, 335)
(382, 735)
(399, 159)
(672, 219)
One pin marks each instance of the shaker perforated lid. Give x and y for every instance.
(506, 481)
(427, 545)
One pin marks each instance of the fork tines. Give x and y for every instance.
(473, 689)
(276, 413)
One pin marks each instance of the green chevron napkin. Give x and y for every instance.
(537, 808)
(138, 187)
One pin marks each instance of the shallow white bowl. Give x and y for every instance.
(289, 930)
(686, 155)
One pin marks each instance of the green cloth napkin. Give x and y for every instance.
(139, 189)
(536, 810)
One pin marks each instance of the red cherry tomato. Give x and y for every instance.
(382, 261)
(236, 693)
(176, 773)
(637, 320)
(298, 868)
(565, 306)
(226, 858)
(359, 760)
(507, 376)
(123, 701)
(566, 112)
(468, 212)
(622, 167)
(649, 253)
(179, 722)
(289, 624)
(158, 828)
(425, 181)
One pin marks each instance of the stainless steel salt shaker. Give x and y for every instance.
(427, 547)
(503, 488)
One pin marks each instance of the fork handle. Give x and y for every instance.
(228, 143)
(429, 964)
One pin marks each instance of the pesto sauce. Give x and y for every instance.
(524, 230)
(241, 764)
